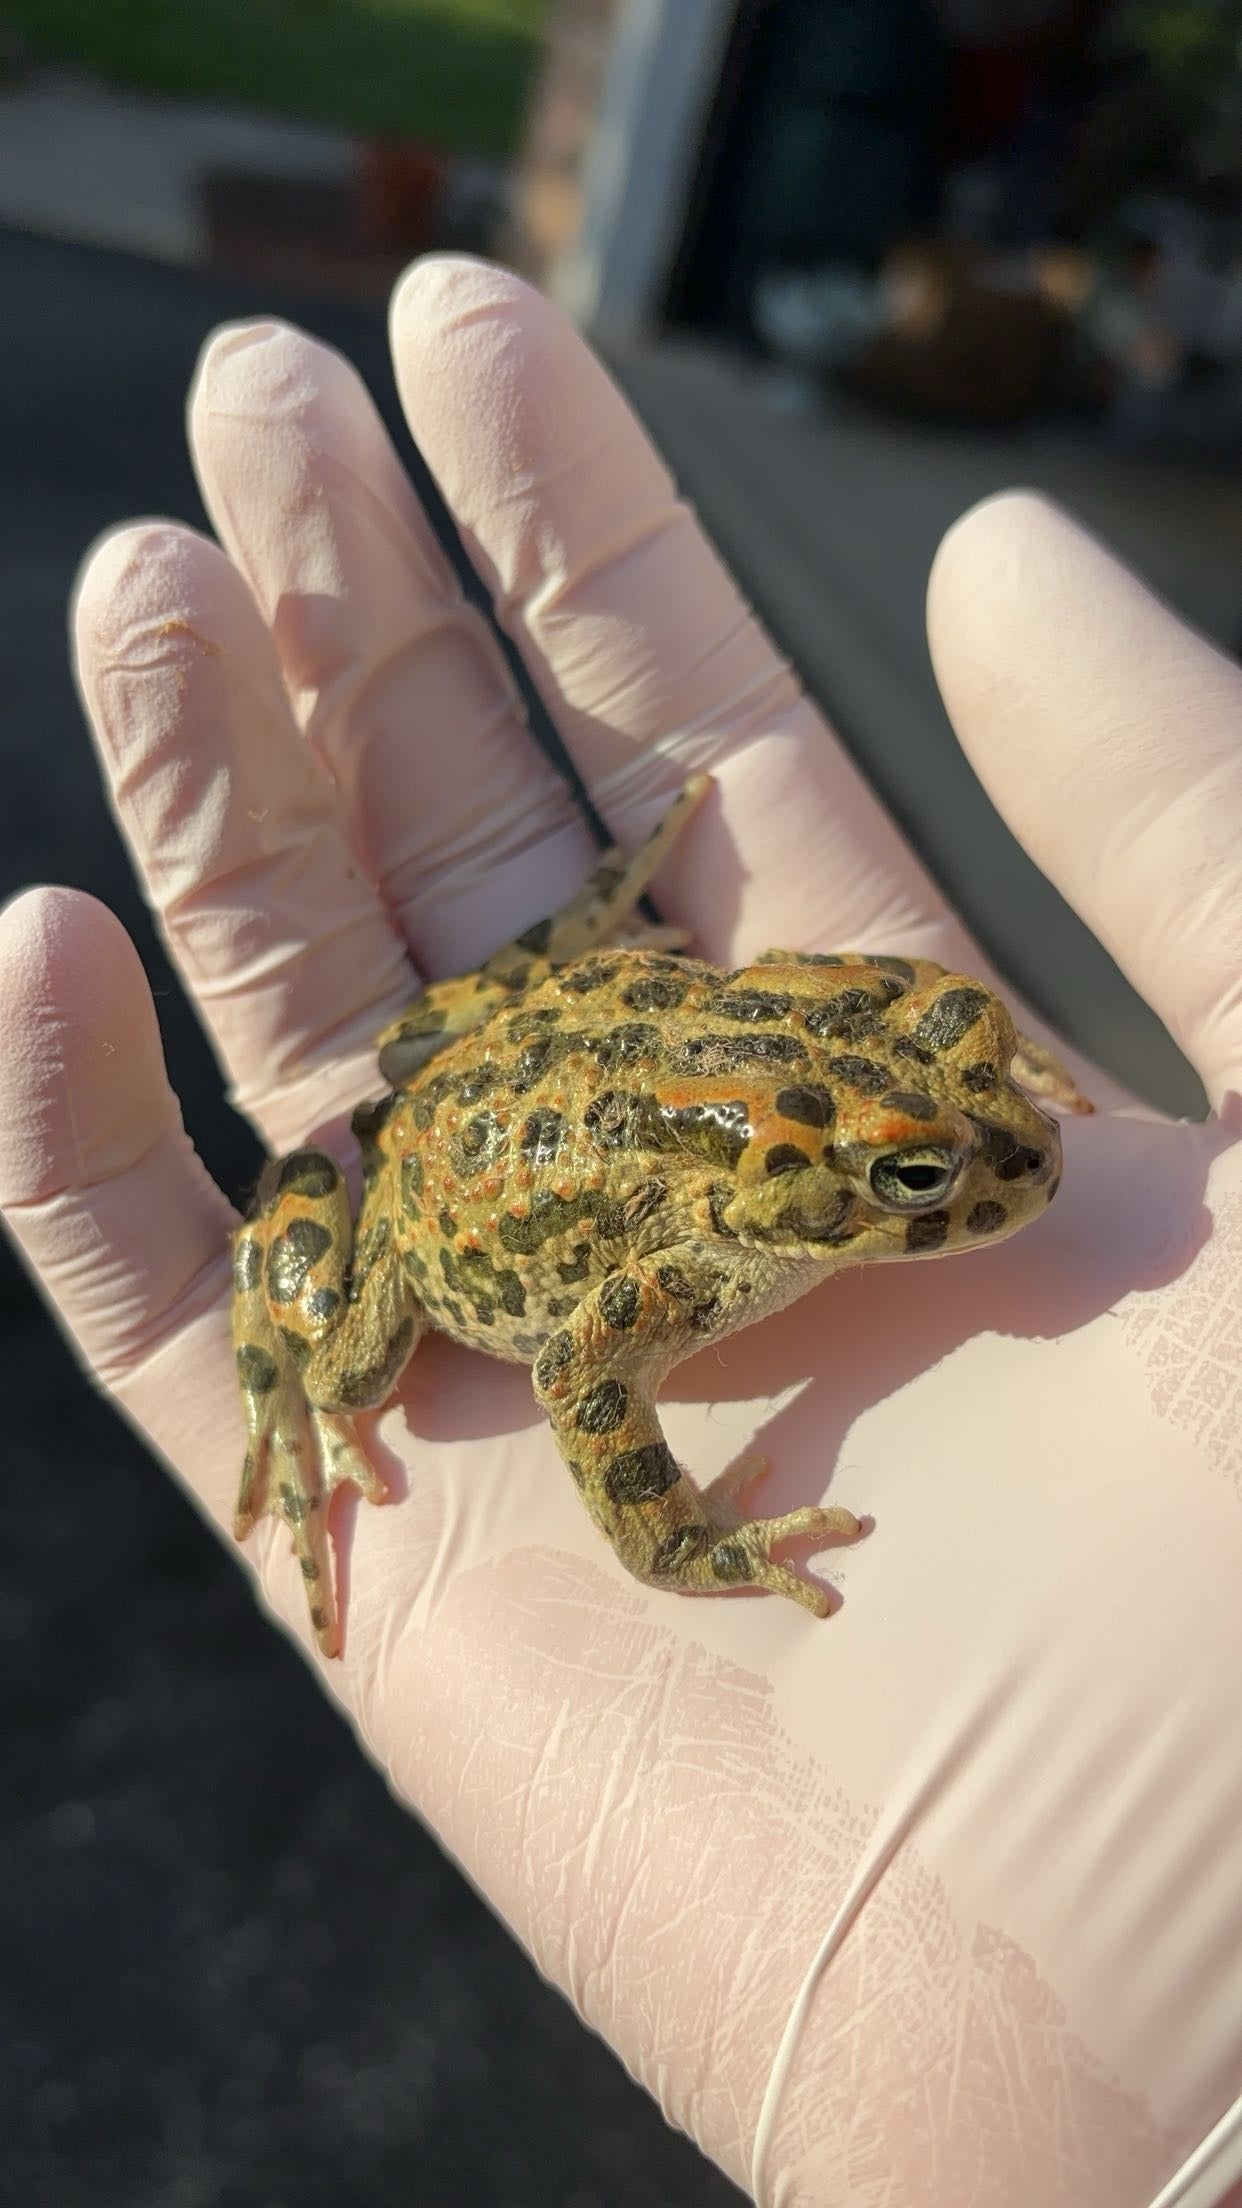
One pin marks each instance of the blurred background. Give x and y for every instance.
(857, 263)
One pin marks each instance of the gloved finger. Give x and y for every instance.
(236, 830)
(636, 637)
(100, 1185)
(1107, 733)
(396, 679)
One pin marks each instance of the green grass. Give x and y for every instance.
(452, 73)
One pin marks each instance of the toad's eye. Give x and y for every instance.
(914, 1180)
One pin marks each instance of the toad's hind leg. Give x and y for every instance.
(603, 911)
(597, 1378)
(322, 1324)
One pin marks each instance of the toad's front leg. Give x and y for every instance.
(597, 1378)
(322, 1324)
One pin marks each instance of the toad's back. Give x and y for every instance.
(533, 1154)
(619, 1105)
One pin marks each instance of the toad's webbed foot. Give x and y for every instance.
(596, 1377)
(317, 1334)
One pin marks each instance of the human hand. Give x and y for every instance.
(861, 1901)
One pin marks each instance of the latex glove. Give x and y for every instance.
(937, 1903)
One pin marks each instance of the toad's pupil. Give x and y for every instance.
(919, 1178)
